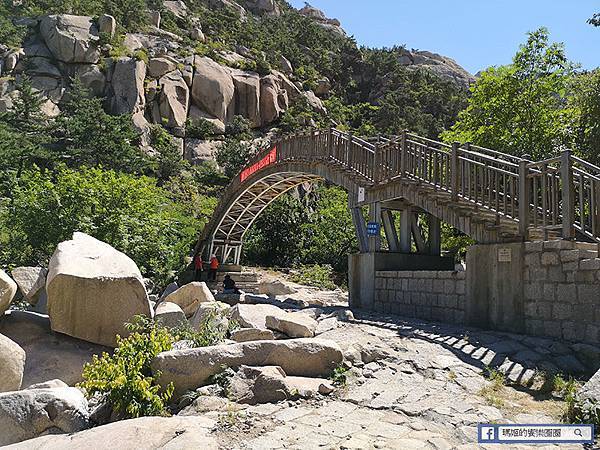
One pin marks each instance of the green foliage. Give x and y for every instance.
(232, 156)
(130, 213)
(168, 162)
(200, 129)
(213, 330)
(126, 377)
(314, 275)
(522, 108)
(10, 35)
(239, 128)
(223, 379)
(301, 115)
(595, 20)
(339, 375)
(586, 99)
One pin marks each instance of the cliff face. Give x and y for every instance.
(175, 78)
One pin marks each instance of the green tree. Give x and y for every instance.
(232, 156)
(87, 135)
(595, 20)
(522, 108)
(586, 99)
(130, 213)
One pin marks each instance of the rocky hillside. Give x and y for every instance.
(194, 68)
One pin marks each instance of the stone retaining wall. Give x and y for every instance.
(428, 295)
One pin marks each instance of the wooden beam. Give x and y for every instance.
(417, 235)
(389, 227)
(405, 231)
(435, 235)
(361, 229)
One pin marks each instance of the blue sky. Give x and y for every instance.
(476, 33)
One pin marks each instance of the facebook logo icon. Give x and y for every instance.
(487, 434)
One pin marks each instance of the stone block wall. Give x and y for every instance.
(428, 295)
(562, 290)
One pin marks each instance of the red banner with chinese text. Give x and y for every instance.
(270, 158)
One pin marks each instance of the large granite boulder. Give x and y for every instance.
(169, 315)
(190, 296)
(94, 290)
(174, 99)
(247, 96)
(12, 365)
(185, 433)
(31, 413)
(157, 67)
(8, 289)
(198, 151)
(127, 83)
(254, 316)
(272, 99)
(212, 313)
(255, 385)
(71, 39)
(252, 334)
(591, 390)
(188, 369)
(294, 325)
(31, 282)
(49, 355)
(213, 88)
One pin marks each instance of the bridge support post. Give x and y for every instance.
(434, 243)
(406, 230)
(524, 199)
(568, 195)
(390, 230)
(360, 228)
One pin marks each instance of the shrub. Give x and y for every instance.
(212, 331)
(239, 127)
(315, 275)
(125, 377)
(200, 129)
(232, 156)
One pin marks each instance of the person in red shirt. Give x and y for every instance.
(198, 267)
(214, 265)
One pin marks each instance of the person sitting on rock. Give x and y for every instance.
(229, 286)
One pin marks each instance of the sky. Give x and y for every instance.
(475, 33)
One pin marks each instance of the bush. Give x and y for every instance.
(239, 128)
(125, 377)
(200, 129)
(314, 275)
(212, 331)
(232, 156)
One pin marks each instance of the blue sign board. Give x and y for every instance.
(373, 228)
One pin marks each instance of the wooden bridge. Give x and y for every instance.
(491, 196)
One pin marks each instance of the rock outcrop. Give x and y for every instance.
(8, 289)
(127, 81)
(442, 66)
(188, 369)
(12, 365)
(145, 432)
(174, 100)
(31, 413)
(252, 334)
(213, 88)
(93, 290)
(31, 282)
(169, 315)
(71, 39)
(189, 297)
(254, 316)
(294, 325)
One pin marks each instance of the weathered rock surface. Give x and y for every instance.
(157, 67)
(33, 412)
(169, 315)
(197, 151)
(252, 334)
(254, 316)
(189, 297)
(591, 389)
(247, 96)
(107, 24)
(12, 365)
(188, 369)
(8, 289)
(306, 387)
(174, 100)
(128, 86)
(71, 39)
(215, 311)
(254, 385)
(49, 355)
(186, 433)
(273, 101)
(275, 287)
(294, 325)
(441, 66)
(31, 282)
(93, 290)
(213, 88)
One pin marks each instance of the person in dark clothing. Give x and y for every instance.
(198, 267)
(229, 286)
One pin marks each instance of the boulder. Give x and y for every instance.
(270, 107)
(285, 65)
(8, 289)
(12, 367)
(309, 387)
(169, 315)
(71, 39)
(177, 7)
(185, 433)
(93, 290)
(294, 325)
(155, 18)
(252, 334)
(31, 413)
(50, 384)
(189, 297)
(188, 369)
(247, 96)
(255, 385)
(93, 78)
(198, 151)
(262, 7)
(128, 86)
(107, 25)
(323, 87)
(174, 100)
(217, 311)
(49, 355)
(196, 113)
(591, 389)
(212, 88)
(197, 34)
(314, 101)
(31, 282)
(172, 287)
(157, 67)
(274, 288)
(254, 316)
